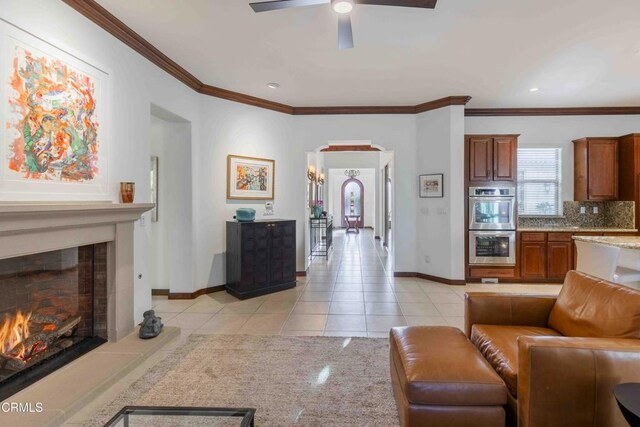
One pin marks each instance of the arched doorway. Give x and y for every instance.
(352, 197)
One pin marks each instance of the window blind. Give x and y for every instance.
(539, 181)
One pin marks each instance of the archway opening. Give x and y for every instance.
(352, 199)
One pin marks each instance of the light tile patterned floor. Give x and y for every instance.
(352, 293)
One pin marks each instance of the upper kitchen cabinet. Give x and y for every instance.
(492, 157)
(595, 169)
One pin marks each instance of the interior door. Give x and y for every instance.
(387, 206)
(282, 252)
(255, 255)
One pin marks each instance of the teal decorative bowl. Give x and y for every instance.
(245, 215)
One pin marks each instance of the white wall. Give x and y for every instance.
(556, 131)
(359, 160)
(431, 142)
(368, 179)
(135, 82)
(171, 258)
(396, 133)
(440, 221)
(232, 128)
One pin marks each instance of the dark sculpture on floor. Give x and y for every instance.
(151, 326)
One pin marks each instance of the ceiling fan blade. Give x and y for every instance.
(267, 6)
(428, 4)
(345, 34)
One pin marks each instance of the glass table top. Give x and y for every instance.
(133, 416)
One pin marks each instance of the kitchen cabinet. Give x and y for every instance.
(629, 170)
(559, 255)
(491, 158)
(595, 169)
(550, 255)
(533, 256)
(261, 257)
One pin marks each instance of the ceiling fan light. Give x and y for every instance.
(342, 6)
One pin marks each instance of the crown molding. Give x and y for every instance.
(310, 111)
(442, 102)
(571, 111)
(245, 99)
(108, 22)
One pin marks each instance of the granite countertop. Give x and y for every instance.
(564, 229)
(624, 242)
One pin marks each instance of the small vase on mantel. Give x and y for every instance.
(127, 192)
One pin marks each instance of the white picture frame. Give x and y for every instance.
(51, 184)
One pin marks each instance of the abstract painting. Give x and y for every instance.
(250, 178)
(53, 132)
(431, 185)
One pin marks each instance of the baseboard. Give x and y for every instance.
(430, 277)
(161, 292)
(196, 294)
(301, 273)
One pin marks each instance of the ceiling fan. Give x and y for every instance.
(343, 8)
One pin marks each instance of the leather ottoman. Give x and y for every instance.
(440, 379)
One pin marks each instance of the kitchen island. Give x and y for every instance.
(613, 258)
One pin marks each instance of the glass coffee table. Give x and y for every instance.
(133, 416)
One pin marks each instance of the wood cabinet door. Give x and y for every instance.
(480, 159)
(282, 265)
(559, 259)
(533, 260)
(255, 256)
(603, 169)
(504, 158)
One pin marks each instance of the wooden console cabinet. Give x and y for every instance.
(261, 257)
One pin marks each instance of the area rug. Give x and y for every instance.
(309, 381)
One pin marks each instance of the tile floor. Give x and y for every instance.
(353, 293)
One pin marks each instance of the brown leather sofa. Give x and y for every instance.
(560, 357)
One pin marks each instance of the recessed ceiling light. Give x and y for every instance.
(534, 89)
(342, 6)
(273, 85)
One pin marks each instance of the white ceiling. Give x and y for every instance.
(578, 52)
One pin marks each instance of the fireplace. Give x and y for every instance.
(66, 284)
(53, 308)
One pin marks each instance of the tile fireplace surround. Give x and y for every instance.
(27, 229)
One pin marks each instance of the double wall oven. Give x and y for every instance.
(492, 226)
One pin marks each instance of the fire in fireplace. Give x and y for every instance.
(53, 308)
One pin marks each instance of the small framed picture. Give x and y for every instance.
(431, 185)
(250, 178)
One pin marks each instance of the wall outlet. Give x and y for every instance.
(583, 210)
(595, 209)
(427, 259)
(143, 222)
(442, 211)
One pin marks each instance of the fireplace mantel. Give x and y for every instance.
(35, 216)
(29, 228)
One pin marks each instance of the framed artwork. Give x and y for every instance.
(250, 178)
(154, 187)
(431, 185)
(53, 142)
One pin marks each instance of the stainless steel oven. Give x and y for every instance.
(492, 247)
(492, 208)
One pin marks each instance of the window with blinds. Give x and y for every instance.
(539, 181)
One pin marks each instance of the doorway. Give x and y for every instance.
(170, 229)
(386, 223)
(352, 201)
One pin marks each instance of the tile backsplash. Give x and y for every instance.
(610, 214)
